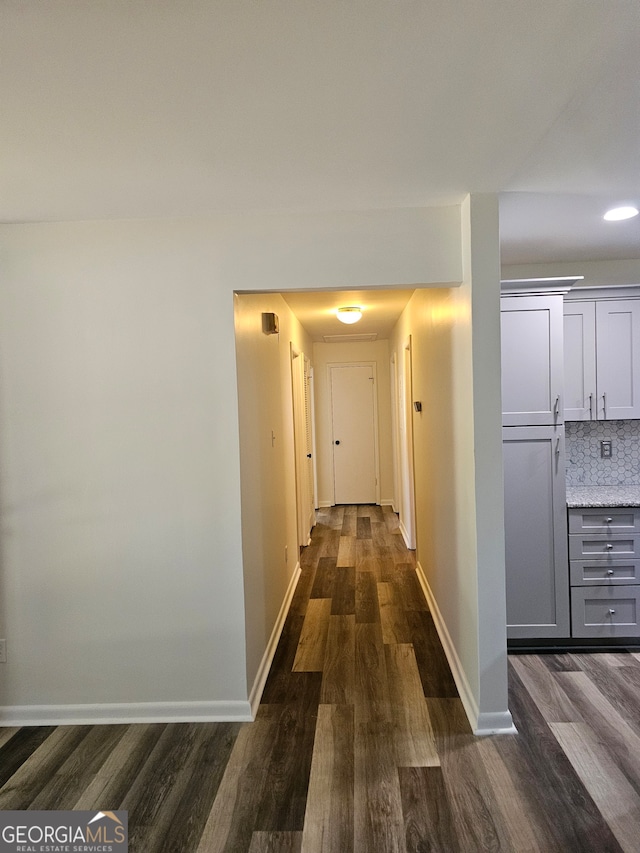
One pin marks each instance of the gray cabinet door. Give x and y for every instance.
(537, 570)
(579, 361)
(618, 358)
(532, 361)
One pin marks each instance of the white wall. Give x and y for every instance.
(323, 355)
(439, 322)
(267, 464)
(121, 547)
(122, 569)
(458, 464)
(340, 250)
(481, 274)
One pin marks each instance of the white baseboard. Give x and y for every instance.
(495, 724)
(119, 712)
(482, 723)
(405, 536)
(156, 712)
(267, 658)
(383, 502)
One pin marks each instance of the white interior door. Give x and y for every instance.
(354, 422)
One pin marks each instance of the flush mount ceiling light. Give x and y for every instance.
(349, 315)
(617, 214)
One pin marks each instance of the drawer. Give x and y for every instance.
(605, 611)
(603, 520)
(604, 571)
(601, 545)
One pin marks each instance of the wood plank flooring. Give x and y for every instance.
(361, 744)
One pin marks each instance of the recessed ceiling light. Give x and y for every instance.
(616, 214)
(349, 315)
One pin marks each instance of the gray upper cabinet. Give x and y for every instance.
(532, 362)
(579, 361)
(618, 359)
(602, 359)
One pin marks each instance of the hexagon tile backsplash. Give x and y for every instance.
(585, 466)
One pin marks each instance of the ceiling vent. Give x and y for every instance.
(349, 339)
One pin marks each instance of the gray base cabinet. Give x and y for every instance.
(604, 550)
(535, 533)
(601, 612)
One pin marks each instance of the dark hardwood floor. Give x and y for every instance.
(361, 743)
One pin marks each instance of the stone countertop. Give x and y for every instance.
(584, 496)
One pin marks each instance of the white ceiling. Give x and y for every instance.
(316, 310)
(131, 108)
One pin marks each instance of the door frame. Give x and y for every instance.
(305, 474)
(395, 437)
(407, 502)
(376, 450)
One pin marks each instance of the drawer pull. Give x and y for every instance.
(609, 571)
(608, 520)
(611, 611)
(608, 546)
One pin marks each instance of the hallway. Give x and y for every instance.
(360, 743)
(344, 706)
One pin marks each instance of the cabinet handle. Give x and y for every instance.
(608, 519)
(609, 546)
(611, 611)
(590, 407)
(556, 408)
(604, 405)
(609, 572)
